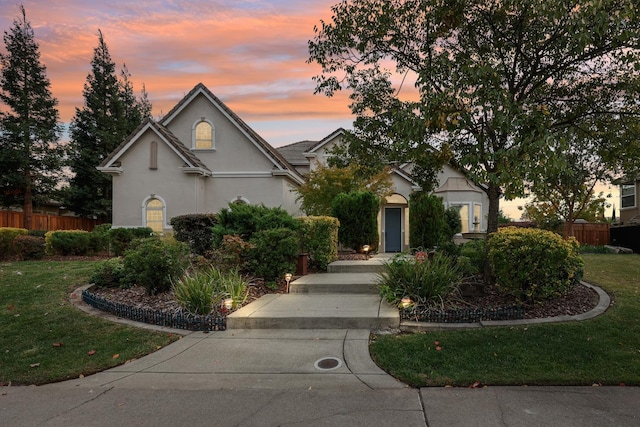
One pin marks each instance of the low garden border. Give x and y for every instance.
(177, 320)
(431, 315)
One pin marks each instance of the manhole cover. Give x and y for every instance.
(328, 363)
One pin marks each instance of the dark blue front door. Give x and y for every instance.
(393, 229)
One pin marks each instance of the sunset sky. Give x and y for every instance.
(250, 53)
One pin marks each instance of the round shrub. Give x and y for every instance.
(274, 253)
(120, 238)
(29, 247)
(533, 264)
(154, 263)
(68, 242)
(109, 273)
(475, 254)
(357, 213)
(319, 238)
(196, 230)
(427, 225)
(7, 234)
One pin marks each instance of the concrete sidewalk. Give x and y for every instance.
(298, 378)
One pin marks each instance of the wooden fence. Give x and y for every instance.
(592, 234)
(47, 222)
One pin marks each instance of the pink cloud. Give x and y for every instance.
(250, 53)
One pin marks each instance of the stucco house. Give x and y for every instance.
(393, 219)
(201, 156)
(629, 208)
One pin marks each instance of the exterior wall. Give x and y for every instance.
(270, 191)
(474, 199)
(233, 151)
(626, 214)
(182, 192)
(322, 153)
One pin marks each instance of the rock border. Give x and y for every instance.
(602, 306)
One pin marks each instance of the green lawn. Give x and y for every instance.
(604, 350)
(44, 339)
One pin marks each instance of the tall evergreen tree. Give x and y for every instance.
(110, 113)
(31, 157)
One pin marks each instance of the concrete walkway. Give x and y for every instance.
(295, 377)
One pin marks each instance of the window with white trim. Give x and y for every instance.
(203, 135)
(628, 196)
(155, 215)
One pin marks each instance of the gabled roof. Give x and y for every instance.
(294, 153)
(257, 140)
(192, 162)
(326, 139)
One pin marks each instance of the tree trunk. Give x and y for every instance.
(27, 207)
(493, 191)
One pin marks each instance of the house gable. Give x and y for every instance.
(190, 163)
(237, 149)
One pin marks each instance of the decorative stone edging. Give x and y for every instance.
(178, 323)
(601, 307)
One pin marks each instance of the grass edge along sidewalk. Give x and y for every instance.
(44, 339)
(603, 351)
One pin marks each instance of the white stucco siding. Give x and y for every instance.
(321, 154)
(270, 191)
(233, 151)
(181, 192)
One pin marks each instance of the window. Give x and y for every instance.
(203, 135)
(628, 196)
(465, 220)
(155, 215)
(477, 217)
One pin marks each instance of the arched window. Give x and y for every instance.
(203, 134)
(239, 200)
(155, 215)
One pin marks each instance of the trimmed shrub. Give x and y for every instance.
(196, 230)
(110, 274)
(357, 213)
(533, 264)
(37, 233)
(155, 263)
(475, 254)
(453, 221)
(233, 253)
(7, 235)
(245, 220)
(68, 242)
(274, 253)
(319, 238)
(100, 237)
(29, 247)
(427, 226)
(120, 238)
(423, 282)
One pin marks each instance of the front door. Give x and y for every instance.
(393, 229)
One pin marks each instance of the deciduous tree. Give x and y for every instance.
(324, 183)
(496, 81)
